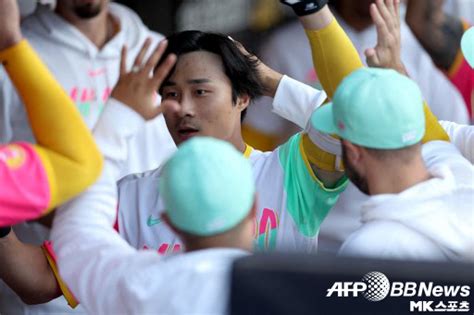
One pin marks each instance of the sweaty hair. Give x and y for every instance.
(238, 67)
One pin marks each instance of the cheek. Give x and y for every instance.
(170, 120)
(218, 112)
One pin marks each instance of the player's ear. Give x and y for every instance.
(243, 102)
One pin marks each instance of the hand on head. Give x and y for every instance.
(387, 52)
(10, 33)
(270, 78)
(137, 88)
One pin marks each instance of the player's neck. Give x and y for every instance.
(238, 141)
(395, 179)
(221, 241)
(99, 29)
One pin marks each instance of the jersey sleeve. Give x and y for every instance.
(25, 192)
(66, 149)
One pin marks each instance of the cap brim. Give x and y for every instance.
(467, 46)
(322, 120)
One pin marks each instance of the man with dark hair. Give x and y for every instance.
(241, 69)
(212, 85)
(204, 177)
(298, 183)
(198, 94)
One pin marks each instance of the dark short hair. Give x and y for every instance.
(241, 69)
(404, 155)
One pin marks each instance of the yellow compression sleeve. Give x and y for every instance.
(334, 56)
(65, 145)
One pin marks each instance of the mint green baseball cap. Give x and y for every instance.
(374, 108)
(467, 46)
(207, 187)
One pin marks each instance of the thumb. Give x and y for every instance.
(156, 111)
(372, 58)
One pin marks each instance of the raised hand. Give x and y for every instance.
(270, 78)
(387, 52)
(137, 88)
(10, 32)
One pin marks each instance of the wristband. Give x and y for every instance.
(305, 7)
(4, 231)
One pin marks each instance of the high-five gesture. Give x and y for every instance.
(386, 54)
(10, 32)
(137, 88)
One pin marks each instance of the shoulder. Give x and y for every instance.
(390, 240)
(140, 179)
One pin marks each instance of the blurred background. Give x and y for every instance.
(270, 30)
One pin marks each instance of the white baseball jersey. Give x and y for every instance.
(292, 203)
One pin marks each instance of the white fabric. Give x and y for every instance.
(141, 205)
(432, 220)
(105, 273)
(288, 52)
(462, 136)
(88, 75)
(296, 102)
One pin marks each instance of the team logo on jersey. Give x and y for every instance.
(13, 156)
(152, 221)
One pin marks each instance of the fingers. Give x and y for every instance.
(397, 12)
(393, 8)
(240, 46)
(123, 60)
(390, 5)
(157, 110)
(141, 55)
(386, 14)
(163, 70)
(372, 58)
(155, 57)
(382, 29)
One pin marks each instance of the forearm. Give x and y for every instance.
(334, 55)
(84, 227)
(26, 271)
(439, 33)
(65, 145)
